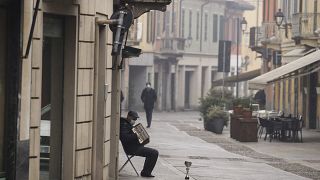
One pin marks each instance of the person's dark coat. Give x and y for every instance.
(128, 138)
(148, 97)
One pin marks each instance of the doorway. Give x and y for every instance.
(52, 97)
(313, 101)
(173, 91)
(137, 81)
(187, 89)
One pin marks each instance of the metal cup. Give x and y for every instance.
(187, 164)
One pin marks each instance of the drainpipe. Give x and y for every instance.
(202, 6)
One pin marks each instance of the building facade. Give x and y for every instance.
(182, 56)
(292, 43)
(55, 98)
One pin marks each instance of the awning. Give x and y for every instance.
(295, 54)
(230, 80)
(285, 71)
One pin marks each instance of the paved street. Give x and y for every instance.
(180, 137)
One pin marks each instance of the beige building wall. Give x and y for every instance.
(146, 46)
(254, 19)
(80, 160)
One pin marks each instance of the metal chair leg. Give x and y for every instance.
(129, 160)
(134, 168)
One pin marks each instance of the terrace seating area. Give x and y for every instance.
(277, 126)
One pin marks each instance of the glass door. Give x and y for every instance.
(52, 98)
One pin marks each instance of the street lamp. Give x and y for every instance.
(244, 24)
(279, 16)
(243, 28)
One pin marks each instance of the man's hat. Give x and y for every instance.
(133, 114)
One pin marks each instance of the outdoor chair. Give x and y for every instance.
(129, 157)
(297, 127)
(273, 129)
(262, 125)
(277, 128)
(269, 129)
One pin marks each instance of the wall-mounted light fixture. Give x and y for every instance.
(279, 18)
(244, 24)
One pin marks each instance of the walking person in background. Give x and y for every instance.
(148, 97)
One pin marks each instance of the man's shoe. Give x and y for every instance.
(147, 175)
(148, 126)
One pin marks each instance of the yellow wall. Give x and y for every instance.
(254, 19)
(277, 99)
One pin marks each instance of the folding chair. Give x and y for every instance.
(129, 157)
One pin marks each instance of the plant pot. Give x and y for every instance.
(247, 114)
(237, 110)
(215, 125)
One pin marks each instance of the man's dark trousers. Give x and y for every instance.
(151, 156)
(148, 115)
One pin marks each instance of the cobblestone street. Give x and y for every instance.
(180, 137)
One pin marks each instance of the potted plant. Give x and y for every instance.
(215, 119)
(215, 97)
(242, 106)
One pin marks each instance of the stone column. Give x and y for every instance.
(181, 76)
(168, 88)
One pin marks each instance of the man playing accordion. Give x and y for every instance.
(132, 145)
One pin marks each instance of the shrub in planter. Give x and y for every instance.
(242, 102)
(214, 98)
(243, 105)
(215, 119)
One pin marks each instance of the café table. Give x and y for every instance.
(287, 128)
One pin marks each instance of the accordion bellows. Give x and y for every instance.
(142, 134)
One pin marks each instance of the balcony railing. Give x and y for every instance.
(172, 45)
(133, 32)
(268, 30)
(256, 37)
(304, 25)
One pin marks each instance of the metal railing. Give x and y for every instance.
(172, 44)
(268, 29)
(304, 25)
(256, 37)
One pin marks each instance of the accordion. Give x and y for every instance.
(141, 133)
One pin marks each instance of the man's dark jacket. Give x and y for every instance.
(128, 138)
(148, 97)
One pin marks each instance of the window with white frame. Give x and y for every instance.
(190, 24)
(205, 27)
(295, 6)
(287, 7)
(221, 28)
(198, 19)
(182, 22)
(149, 20)
(215, 28)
